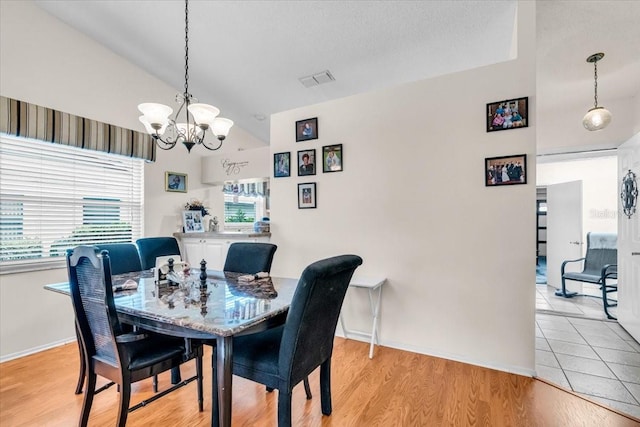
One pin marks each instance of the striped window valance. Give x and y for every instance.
(45, 124)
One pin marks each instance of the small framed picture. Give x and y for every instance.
(506, 170)
(282, 165)
(332, 158)
(174, 181)
(307, 195)
(192, 221)
(508, 114)
(306, 162)
(307, 129)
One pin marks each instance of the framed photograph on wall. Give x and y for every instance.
(505, 170)
(306, 162)
(282, 164)
(508, 114)
(332, 158)
(174, 181)
(307, 129)
(307, 195)
(192, 221)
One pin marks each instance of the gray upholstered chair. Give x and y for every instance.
(123, 358)
(598, 265)
(152, 247)
(284, 356)
(249, 258)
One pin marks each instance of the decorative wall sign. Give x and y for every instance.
(629, 194)
(505, 170)
(508, 114)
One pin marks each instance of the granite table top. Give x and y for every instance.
(222, 308)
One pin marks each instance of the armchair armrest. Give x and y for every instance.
(609, 271)
(564, 263)
(131, 337)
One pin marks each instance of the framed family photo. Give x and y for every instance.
(307, 195)
(505, 170)
(192, 221)
(332, 158)
(508, 114)
(306, 162)
(281, 165)
(307, 129)
(174, 181)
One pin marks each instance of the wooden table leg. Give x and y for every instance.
(224, 366)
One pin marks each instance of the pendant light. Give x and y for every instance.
(598, 117)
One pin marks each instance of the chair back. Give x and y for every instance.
(307, 339)
(124, 257)
(602, 249)
(92, 297)
(249, 258)
(152, 247)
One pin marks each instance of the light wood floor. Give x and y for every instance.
(396, 388)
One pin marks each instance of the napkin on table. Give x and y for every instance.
(129, 285)
(252, 277)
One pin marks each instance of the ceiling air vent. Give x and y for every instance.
(317, 79)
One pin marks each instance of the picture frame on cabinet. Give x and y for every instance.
(307, 195)
(307, 129)
(282, 164)
(175, 181)
(505, 170)
(508, 114)
(192, 221)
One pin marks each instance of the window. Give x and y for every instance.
(242, 208)
(54, 197)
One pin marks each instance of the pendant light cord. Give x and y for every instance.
(595, 83)
(186, 51)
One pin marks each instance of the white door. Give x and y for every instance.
(564, 231)
(629, 245)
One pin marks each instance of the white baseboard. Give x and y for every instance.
(38, 349)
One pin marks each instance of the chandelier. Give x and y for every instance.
(198, 118)
(598, 117)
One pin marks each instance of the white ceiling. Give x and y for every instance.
(246, 57)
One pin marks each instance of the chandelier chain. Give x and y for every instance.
(595, 83)
(186, 51)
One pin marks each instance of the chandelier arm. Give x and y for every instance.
(204, 144)
(163, 144)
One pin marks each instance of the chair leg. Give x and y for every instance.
(125, 396)
(307, 389)
(284, 408)
(563, 292)
(88, 399)
(269, 389)
(215, 420)
(155, 383)
(325, 387)
(83, 366)
(199, 380)
(175, 375)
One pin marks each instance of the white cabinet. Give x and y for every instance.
(213, 250)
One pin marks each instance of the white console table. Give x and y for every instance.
(374, 289)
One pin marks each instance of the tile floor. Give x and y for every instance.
(579, 349)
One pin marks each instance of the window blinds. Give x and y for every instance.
(54, 197)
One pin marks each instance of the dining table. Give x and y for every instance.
(210, 306)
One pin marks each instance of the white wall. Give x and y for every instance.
(600, 190)
(45, 62)
(459, 256)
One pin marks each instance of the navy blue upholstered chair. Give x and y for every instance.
(124, 257)
(282, 357)
(249, 258)
(152, 247)
(123, 358)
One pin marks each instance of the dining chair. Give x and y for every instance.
(124, 258)
(123, 358)
(152, 247)
(249, 257)
(282, 357)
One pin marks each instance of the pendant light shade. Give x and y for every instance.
(597, 118)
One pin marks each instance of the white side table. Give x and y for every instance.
(374, 288)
